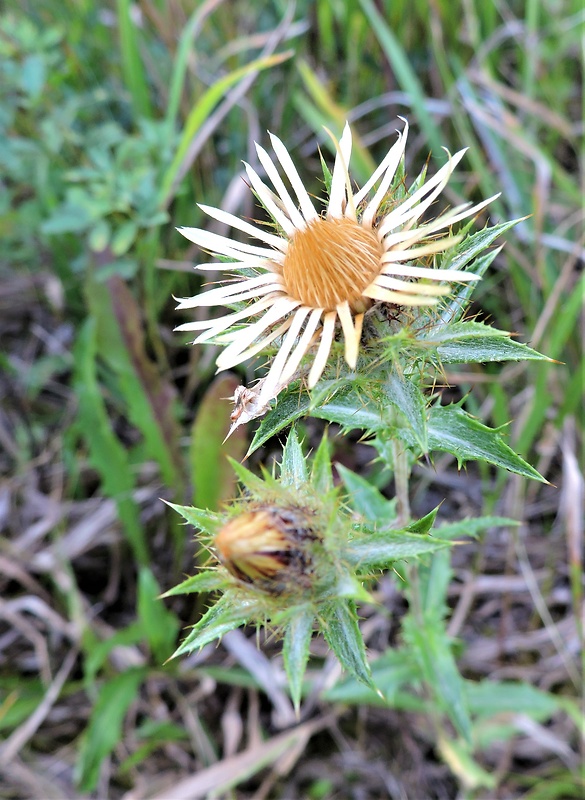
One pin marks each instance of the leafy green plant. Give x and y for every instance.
(287, 554)
(115, 119)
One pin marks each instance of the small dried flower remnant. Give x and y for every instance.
(320, 271)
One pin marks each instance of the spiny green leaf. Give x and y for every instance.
(461, 330)
(379, 550)
(473, 342)
(321, 475)
(475, 244)
(340, 628)
(252, 482)
(295, 653)
(207, 521)
(368, 501)
(293, 469)
(354, 409)
(424, 524)
(205, 581)
(485, 349)
(228, 613)
(456, 304)
(453, 430)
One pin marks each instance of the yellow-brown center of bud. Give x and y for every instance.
(267, 547)
(329, 261)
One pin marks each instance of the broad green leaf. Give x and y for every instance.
(212, 476)
(392, 673)
(99, 235)
(206, 581)
(104, 731)
(405, 395)
(433, 652)
(67, 218)
(488, 698)
(159, 625)
(228, 613)
(339, 623)
(379, 550)
(368, 501)
(455, 431)
(295, 652)
(293, 469)
(124, 237)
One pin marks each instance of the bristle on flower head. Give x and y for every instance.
(321, 272)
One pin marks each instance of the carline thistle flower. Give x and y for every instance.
(321, 271)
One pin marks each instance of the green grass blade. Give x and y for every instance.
(200, 113)
(132, 66)
(104, 731)
(405, 74)
(105, 451)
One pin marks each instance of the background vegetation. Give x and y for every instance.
(115, 120)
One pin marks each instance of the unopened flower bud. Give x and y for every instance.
(269, 547)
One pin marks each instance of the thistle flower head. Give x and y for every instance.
(289, 553)
(316, 272)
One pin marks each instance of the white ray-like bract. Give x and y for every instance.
(317, 273)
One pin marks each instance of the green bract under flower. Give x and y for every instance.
(291, 555)
(320, 271)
